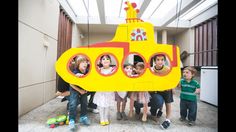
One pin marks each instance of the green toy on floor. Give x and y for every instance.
(59, 120)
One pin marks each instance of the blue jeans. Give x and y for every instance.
(191, 106)
(156, 102)
(75, 99)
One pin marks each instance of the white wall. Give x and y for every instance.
(76, 39)
(98, 37)
(38, 23)
(185, 41)
(155, 35)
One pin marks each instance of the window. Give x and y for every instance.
(205, 50)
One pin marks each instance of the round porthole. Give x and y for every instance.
(133, 65)
(160, 64)
(106, 64)
(79, 65)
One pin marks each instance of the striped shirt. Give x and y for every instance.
(188, 89)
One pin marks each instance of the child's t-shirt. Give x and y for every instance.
(161, 71)
(107, 71)
(188, 89)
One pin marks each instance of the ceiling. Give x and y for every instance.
(105, 15)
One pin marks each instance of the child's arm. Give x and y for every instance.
(66, 93)
(197, 91)
(81, 91)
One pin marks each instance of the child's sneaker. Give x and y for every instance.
(118, 116)
(102, 123)
(72, 125)
(159, 113)
(165, 124)
(182, 119)
(124, 116)
(107, 122)
(84, 120)
(137, 116)
(154, 118)
(95, 111)
(191, 123)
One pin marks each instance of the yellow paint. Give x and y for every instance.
(119, 81)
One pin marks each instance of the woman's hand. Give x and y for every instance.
(81, 91)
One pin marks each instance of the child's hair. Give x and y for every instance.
(140, 64)
(125, 65)
(158, 55)
(191, 69)
(80, 59)
(100, 62)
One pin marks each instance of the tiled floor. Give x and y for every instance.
(35, 120)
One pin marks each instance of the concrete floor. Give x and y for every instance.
(35, 120)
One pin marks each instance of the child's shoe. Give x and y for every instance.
(165, 124)
(72, 125)
(191, 123)
(137, 116)
(102, 123)
(182, 119)
(107, 122)
(154, 118)
(95, 111)
(84, 120)
(118, 116)
(159, 113)
(124, 116)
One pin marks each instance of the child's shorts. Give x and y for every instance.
(119, 99)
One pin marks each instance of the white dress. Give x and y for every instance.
(104, 99)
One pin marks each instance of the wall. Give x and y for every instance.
(185, 41)
(97, 37)
(38, 24)
(170, 39)
(76, 39)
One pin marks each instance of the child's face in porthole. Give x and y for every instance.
(139, 70)
(128, 70)
(106, 61)
(83, 65)
(187, 74)
(160, 61)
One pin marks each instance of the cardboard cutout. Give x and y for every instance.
(132, 41)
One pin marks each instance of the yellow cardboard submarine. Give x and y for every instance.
(135, 37)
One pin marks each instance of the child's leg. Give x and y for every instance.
(101, 113)
(118, 106)
(123, 110)
(145, 107)
(168, 110)
(73, 103)
(192, 111)
(131, 105)
(118, 113)
(106, 114)
(123, 106)
(183, 109)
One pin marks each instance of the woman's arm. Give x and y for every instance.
(81, 91)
